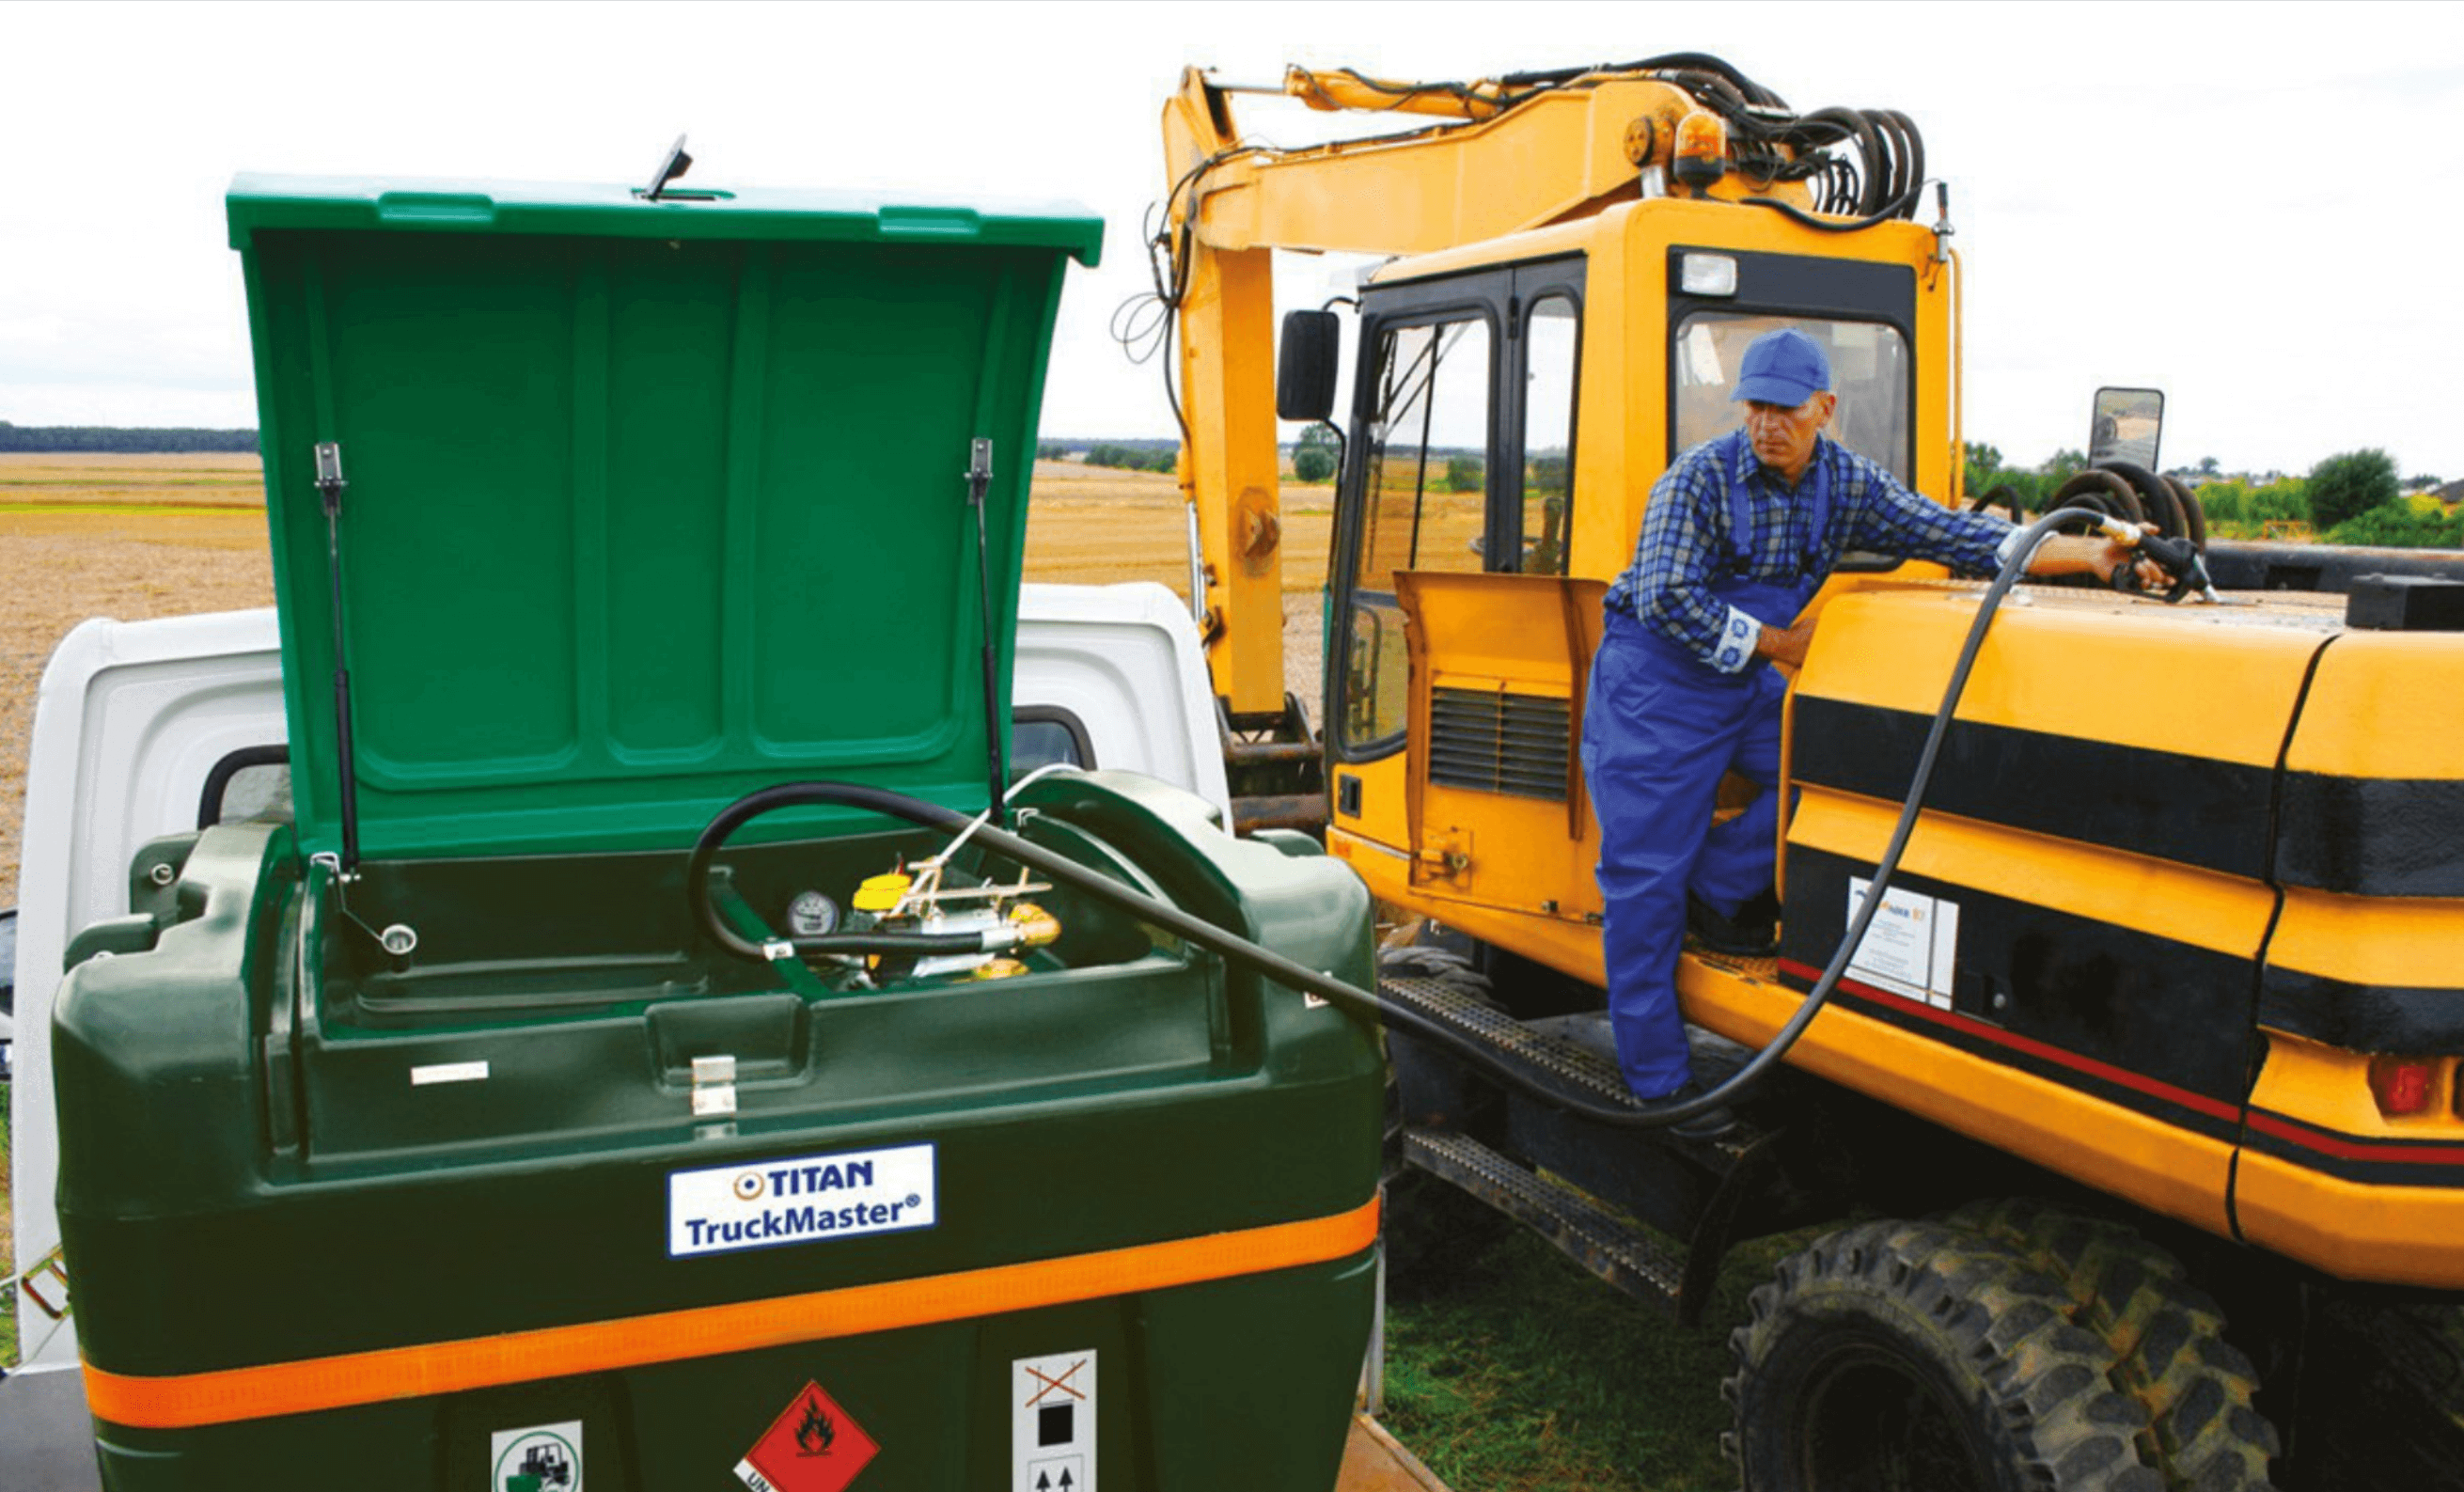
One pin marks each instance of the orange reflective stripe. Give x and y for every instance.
(399, 1373)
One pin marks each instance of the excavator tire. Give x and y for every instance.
(2385, 1401)
(1919, 1357)
(2166, 1334)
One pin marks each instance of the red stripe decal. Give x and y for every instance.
(2197, 1102)
(2329, 1143)
(2290, 1130)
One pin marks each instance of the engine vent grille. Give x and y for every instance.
(1496, 743)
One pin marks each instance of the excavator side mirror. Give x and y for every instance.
(2129, 423)
(1305, 369)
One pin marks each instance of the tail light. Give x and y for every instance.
(2402, 1084)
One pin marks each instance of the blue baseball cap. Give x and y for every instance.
(1783, 368)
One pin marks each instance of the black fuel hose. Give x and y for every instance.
(1358, 1004)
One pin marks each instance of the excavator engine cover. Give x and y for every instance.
(427, 1139)
(2183, 882)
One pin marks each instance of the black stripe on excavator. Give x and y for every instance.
(2328, 1152)
(2417, 1021)
(2170, 805)
(2085, 1076)
(2352, 1157)
(2158, 1016)
(2372, 836)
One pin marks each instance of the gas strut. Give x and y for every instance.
(329, 494)
(1362, 1004)
(979, 476)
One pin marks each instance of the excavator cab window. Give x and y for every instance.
(1551, 339)
(1466, 462)
(1869, 372)
(1424, 498)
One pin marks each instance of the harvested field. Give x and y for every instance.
(46, 481)
(140, 537)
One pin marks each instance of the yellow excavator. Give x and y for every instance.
(2114, 1029)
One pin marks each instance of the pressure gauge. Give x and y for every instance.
(812, 914)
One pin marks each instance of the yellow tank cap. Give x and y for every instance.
(999, 969)
(881, 892)
(1036, 925)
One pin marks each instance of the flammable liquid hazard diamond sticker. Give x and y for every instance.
(812, 1446)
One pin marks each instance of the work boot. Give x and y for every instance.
(1753, 933)
(1708, 1125)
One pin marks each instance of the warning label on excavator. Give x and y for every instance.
(1052, 1423)
(1913, 947)
(812, 1446)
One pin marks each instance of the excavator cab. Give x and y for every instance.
(1511, 409)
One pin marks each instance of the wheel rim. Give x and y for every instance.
(1878, 1420)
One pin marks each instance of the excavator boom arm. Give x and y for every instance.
(1512, 154)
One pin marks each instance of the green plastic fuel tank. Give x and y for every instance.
(429, 1141)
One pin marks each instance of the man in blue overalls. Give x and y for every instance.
(1740, 533)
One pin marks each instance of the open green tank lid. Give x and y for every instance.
(648, 503)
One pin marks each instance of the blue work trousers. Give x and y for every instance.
(1660, 729)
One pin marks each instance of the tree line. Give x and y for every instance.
(87, 439)
(2353, 498)
(1128, 455)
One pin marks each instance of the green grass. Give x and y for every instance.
(1510, 1369)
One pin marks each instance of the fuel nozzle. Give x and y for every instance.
(2179, 558)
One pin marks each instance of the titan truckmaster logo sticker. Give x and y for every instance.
(812, 1446)
(541, 1459)
(800, 1200)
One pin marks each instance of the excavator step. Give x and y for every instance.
(1559, 1063)
(1617, 1251)
(1553, 1055)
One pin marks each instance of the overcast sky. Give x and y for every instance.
(2258, 209)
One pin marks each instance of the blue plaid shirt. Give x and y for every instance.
(1688, 538)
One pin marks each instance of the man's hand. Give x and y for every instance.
(1785, 645)
(2072, 554)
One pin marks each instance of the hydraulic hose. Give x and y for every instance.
(1900, 208)
(1361, 1005)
